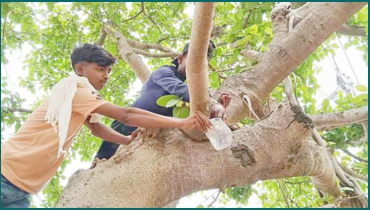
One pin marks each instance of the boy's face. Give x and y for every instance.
(97, 75)
(182, 65)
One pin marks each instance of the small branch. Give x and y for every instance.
(16, 110)
(215, 70)
(245, 23)
(354, 156)
(150, 18)
(353, 173)
(340, 173)
(300, 182)
(358, 191)
(146, 46)
(318, 138)
(128, 55)
(210, 205)
(141, 11)
(285, 198)
(154, 55)
(251, 54)
(289, 91)
(332, 120)
(352, 30)
(102, 38)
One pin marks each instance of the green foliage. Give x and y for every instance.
(181, 108)
(240, 194)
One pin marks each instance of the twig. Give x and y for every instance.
(245, 23)
(353, 173)
(102, 38)
(300, 182)
(150, 18)
(141, 11)
(219, 191)
(281, 188)
(354, 156)
(215, 70)
(5, 109)
(153, 55)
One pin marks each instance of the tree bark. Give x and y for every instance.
(128, 55)
(154, 171)
(196, 62)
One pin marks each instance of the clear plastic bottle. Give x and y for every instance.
(220, 135)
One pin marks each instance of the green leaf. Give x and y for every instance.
(172, 102)
(268, 30)
(181, 112)
(254, 29)
(361, 88)
(162, 101)
(50, 6)
(200, 206)
(325, 104)
(213, 62)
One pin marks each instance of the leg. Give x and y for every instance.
(12, 196)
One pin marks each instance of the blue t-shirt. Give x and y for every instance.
(164, 81)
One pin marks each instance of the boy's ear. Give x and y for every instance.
(181, 58)
(78, 68)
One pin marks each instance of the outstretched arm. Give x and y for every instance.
(140, 118)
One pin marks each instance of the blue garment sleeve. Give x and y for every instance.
(167, 79)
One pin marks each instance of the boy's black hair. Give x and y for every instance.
(211, 48)
(91, 53)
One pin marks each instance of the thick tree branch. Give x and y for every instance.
(196, 63)
(352, 30)
(5, 109)
(128, 55)
(197, 166)
(284, 56)
(333, 120)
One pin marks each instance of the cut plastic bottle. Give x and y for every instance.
(220, 135)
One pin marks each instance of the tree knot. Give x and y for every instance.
(246, 155)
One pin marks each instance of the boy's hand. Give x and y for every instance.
(196, 121)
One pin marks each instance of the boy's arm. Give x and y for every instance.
(140, 118)
(102, 131)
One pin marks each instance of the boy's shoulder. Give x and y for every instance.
(164, 70)
(86, 93)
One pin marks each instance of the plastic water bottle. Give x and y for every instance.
(220, 135)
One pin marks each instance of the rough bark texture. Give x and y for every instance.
(127, 54)
(155, 170)
(196, 62)
(333, 120)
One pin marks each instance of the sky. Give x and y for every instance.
(326, 79)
